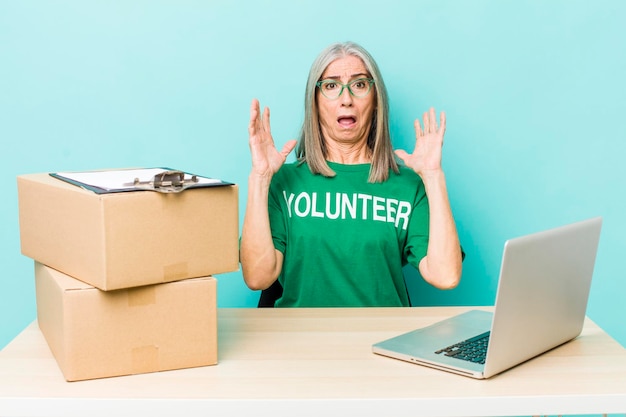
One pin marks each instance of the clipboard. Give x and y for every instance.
(163, 180)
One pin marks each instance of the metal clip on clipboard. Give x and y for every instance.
(167, 182)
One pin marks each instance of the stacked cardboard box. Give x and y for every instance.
(124, 281)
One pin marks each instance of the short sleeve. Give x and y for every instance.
(278, 224)
(417, 235)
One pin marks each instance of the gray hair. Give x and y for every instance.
(311, 146)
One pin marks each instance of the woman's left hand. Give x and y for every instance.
(442, 265)
(426, 157)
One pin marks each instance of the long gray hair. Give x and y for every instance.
(311, 145)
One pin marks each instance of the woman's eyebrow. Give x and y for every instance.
(353, 76)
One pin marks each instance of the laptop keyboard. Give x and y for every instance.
(472, 350)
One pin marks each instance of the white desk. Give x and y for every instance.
(318, 362)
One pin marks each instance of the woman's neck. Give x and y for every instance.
(348, 154)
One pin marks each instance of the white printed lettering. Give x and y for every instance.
(379, 206)
(307, 205)
(404, 210)
(391, 209)
(288, 201)
(364, 198)
(347, 206)
(314, 211)
(330, 214)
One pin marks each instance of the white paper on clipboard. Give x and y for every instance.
(123, 179)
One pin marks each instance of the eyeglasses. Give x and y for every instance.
(332, 89)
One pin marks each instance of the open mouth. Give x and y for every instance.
(346, 121)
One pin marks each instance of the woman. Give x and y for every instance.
(336, 227)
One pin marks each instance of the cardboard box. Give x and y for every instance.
(97, 334)
(128, 239)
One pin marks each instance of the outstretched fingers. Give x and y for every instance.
(256, 121)
(266, 121)
(442, 123)
(418, 128)
(402, 154)
(253, 126)
(259, 128)
(288, 148)
(430, 123)
(427, 123)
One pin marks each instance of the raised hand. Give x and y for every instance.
(426, 157)
(266, 159)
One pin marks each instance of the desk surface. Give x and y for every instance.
(285, 362)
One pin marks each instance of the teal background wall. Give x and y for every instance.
(534, 93)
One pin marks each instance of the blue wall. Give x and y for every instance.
(534, 92)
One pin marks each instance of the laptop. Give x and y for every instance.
(541, 303)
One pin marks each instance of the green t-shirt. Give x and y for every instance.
(345, 240)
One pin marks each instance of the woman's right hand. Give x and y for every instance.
(266, 159)
(261, 263)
